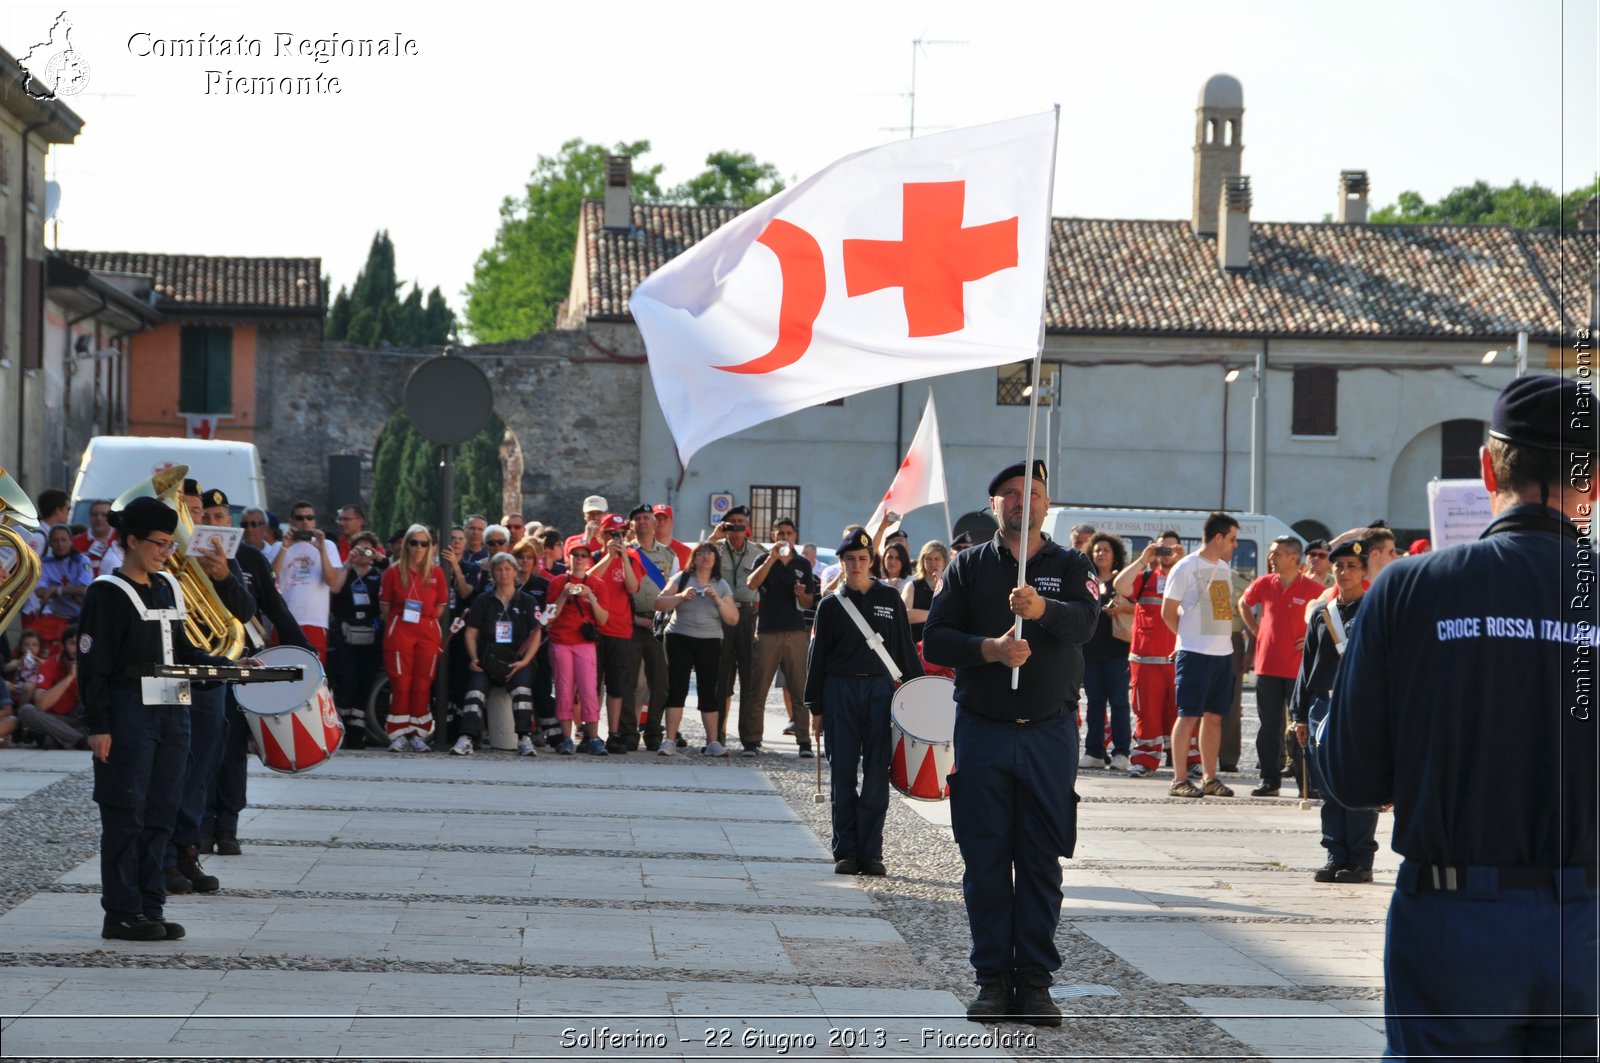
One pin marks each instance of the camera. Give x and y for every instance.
(365, 551)
(304, 536)
(575, 589)
(1163, 551)
(615, 535)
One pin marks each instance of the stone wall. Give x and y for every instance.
(572, 407)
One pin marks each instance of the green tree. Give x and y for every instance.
(371, 313)
(519, 282)
(406, 476)
(731, 178)
(1531, 206)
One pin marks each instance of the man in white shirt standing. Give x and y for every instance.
(309, 573)
(1198, 605)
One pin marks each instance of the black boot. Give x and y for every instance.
(227, 843)
(1035, 1007)
(189, 868)
(992, 1004)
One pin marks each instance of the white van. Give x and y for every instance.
(1138, 526)
(112, 464)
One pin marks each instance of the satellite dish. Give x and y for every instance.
(52, 198)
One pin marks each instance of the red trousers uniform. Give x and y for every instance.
(1153, 694)
(411, 657)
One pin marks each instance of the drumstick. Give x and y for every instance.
(819, 797)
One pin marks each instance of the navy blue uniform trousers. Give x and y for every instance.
(855, 727)
(1012, 810)
(226, 796)
(1349, 834)
(137, 790)
(208, 737)
(1501, 954)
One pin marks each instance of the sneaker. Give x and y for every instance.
(1139, 771)
(417, 744)
(1119, 763)
(399, 745)
(227, 843)
(789, 730)
(525, 747)
(1216, 788)
(566, 748)
(805, 753)
(1034, 1006)
(1089, 760)
(189, 868)
(464, 747)
(1328, 872)
(596, 747)
(1353, 874)
(132, 928)
(681, 742)
(714, 749)
(1196, 772)
(992, 1004)
(1265, 790)
(667, 748)
(1185, 788)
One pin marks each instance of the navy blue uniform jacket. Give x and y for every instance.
(972, 607)
(1466, 699)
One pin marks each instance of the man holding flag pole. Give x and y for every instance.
(916, 259)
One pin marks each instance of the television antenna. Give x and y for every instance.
(918, 45)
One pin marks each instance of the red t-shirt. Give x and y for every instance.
(50, 672)
(1151, 635)
(1283, 622)
(399, 587)
(612, 589)
(684, 552)
(564, 628)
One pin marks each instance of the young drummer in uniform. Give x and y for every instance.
(1012, 805)
(1349, 834)
(848, 690)
(138, 730)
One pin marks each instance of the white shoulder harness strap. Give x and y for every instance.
(1336, 626)
(157, 691)
(874, 639)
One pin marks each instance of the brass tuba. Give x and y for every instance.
(209, 625)
(16, 511)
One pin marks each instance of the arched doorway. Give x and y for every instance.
(1311, 529)
(406, 481)
(1447, 451)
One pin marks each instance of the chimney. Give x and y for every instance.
(1589, 215)
(1218, 147)
(1233, 237)
(619, 193)
(1352, 197)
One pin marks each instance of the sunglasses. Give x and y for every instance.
(418, 543)
(255, 524)
(494, 542)
(304, 516)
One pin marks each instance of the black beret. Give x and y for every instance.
(145, 515)
(858, 540)
(738, 511)
(191, 488)
(1356, 548)
(1534, 412)
(1017, 468)
(964, 539)
(640, 508)
(213, 498)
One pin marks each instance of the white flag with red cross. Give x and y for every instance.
(920, 479)
(916, 259)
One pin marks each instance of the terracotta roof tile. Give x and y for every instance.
(1155, 277)
(199, 282)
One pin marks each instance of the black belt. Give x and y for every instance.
(1019, 723)
(1439, 878)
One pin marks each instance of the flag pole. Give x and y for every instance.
(949, 529)
(1033, 392)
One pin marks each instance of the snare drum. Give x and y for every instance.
(295, 724)
(923, 719)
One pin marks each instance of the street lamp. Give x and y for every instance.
(1521, 354)
(1050, 394)
(1258, 427)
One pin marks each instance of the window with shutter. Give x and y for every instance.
(1316, 401)
(1458, 449)
(205, 382)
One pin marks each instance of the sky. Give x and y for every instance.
(427, 144)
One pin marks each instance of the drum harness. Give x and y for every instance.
(154, 690)
(874, 639)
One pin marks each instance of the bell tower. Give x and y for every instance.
(1218, 148)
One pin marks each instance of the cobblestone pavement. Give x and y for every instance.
(403, 906)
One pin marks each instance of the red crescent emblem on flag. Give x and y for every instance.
(804, 285)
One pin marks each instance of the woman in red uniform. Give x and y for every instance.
(413, 602)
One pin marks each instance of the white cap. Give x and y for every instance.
(594, 503)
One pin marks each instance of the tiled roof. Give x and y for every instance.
(1157, 277)
(200, 282)
(1567, 264)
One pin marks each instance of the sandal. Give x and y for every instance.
(1185, 788)
(1216, 788)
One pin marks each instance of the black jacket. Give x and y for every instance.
(839, 648)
